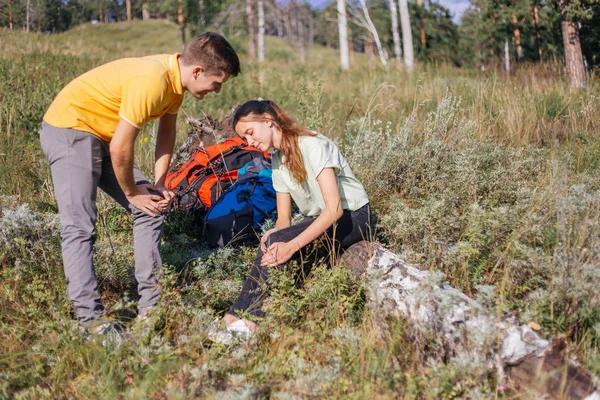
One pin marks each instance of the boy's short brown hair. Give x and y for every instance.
(213, 52)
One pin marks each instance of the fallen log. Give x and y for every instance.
(466, 329)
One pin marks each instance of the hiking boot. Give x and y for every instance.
(143, 325)
(103, 329)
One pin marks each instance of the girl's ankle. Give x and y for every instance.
(229, 319)
(251, 325)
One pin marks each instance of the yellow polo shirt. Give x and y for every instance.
(135, 89)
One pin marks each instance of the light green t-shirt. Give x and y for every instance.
(318, 152)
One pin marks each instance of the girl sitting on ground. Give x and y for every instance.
(308, 168)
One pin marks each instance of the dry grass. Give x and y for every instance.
(492, 180)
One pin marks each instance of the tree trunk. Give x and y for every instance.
(28, 16)
(464, 331)
(350, 45)
(59, 17)
(202, 15)
(181, 21)
(311, 30)
(517, 35)
(288, 26)
(382, 54)
(395, 32)
(251, 28)
(506, 57)
(421, 24)
(343, 34)
(128, 8)
(10, 16)
(535, 18)
(573, 54)
(409, 60)
(300, 29)
(369, 53)
(293, 26)
(145, 12)
(280, 26)
(261, 29)
(481, 63)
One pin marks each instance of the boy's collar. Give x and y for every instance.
(176, 73)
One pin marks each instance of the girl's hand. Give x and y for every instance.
(263, 240)
(278, 253)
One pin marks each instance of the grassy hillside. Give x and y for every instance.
(488, 179)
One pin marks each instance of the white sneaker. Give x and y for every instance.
(236, 332)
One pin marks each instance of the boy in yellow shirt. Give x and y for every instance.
(88, 137)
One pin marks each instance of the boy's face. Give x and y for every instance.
(203, 82)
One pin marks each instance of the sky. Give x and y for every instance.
(456, 7)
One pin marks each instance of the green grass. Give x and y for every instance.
(492, 181)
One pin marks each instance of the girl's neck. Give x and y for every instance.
(277, 138)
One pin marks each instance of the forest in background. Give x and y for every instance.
(502, 34)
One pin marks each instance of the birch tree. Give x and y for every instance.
(407, 41)
(395, 32)
(363, 19)
(506, 57)
(28, 16)
(250, 19)
(343, 34)
(373, 30)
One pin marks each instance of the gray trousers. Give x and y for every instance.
(80, 164)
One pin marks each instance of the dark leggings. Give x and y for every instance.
(351, 227)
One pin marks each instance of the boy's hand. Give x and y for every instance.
(145, 201)
(167, 195)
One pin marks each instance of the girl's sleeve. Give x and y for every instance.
(324, 155)
(279, 183)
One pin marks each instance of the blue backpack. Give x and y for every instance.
(243, 207)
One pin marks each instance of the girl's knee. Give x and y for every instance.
(276, 237)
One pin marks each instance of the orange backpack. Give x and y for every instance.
(209, 172)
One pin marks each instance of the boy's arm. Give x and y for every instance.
(121, 154)
(165, 143)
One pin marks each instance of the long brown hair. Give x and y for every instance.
(254, 110)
